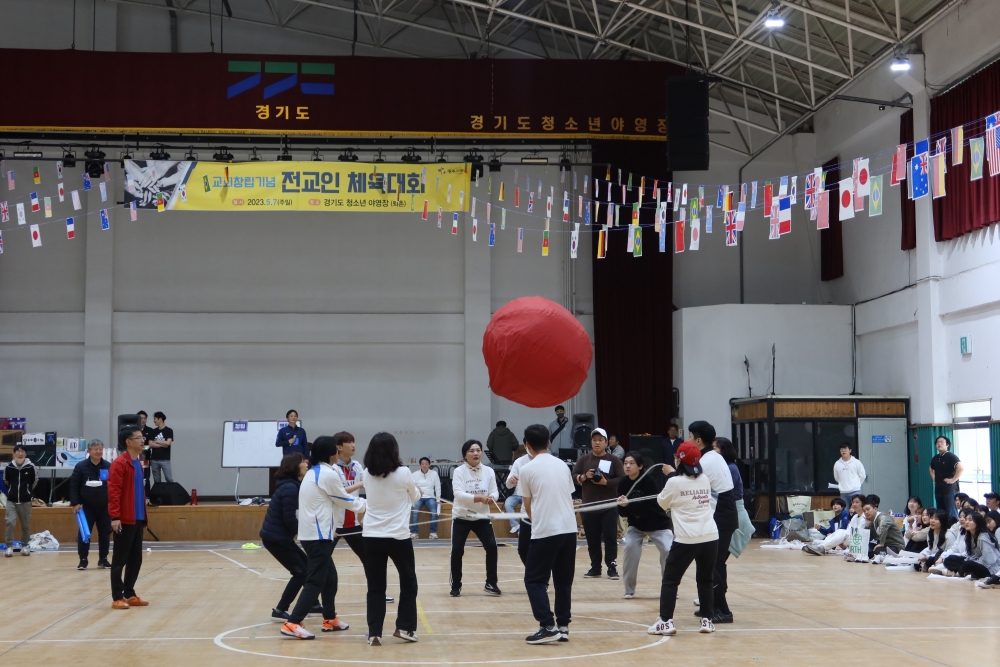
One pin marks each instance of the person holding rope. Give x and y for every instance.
(645, 519)
(598, 473)
(475, 486)
(523, 527)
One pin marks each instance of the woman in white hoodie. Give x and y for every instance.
(474, 485)
(386, 534)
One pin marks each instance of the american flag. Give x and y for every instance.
(731, 228)
(993, 142)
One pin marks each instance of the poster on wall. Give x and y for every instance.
(182, 185)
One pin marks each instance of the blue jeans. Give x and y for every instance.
(946, 501)
(509, 505)
(431, 505)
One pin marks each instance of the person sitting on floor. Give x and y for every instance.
(840, 536)
(939, 539)
(915, 531)
(993, 521)
(982, 553)
(957, 547)
(960, 499)
(886, 537)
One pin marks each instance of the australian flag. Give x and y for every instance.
(921, 176)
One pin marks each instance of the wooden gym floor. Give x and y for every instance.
(210, 604)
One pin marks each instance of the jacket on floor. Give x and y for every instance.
(20, 481)
(280, 522)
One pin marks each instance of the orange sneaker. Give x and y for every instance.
(136, 601)
(290, 629)
(334, 625)
(119, 604)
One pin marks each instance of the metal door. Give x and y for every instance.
(882, 450)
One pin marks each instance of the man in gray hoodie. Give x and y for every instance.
(501, 443)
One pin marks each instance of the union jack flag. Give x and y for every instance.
(4, 212)
(730, 228)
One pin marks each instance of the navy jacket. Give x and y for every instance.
(287, 432)
(280, 522)
(838, 523)
(84, 472)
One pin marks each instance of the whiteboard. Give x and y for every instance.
(253, 447)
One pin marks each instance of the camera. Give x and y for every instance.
(598, 474)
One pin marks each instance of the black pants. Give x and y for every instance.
(914, 546)
(354, 541)
(554, 557)
(378, 552)
(145, 478)
(727, 521)
(96, 514)
(127, 556)
(598, 526)
(293, 559)
(964, 566)
(321, 581)
(523, 541)
(460, 529)
(704, 556)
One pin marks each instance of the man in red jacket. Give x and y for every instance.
(127, 507)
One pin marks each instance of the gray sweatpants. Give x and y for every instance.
(663, 539)
(17, 511)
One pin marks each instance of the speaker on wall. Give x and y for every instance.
(687, 123)
(168, 493)
(123, 421)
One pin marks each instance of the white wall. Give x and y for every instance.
(813, 355)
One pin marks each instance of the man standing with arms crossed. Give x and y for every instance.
(127, 507)
(547, 489)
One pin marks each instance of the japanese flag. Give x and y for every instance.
(36, 237)
(62, 192)
(695, 233)
(845, 195)
(864, 178)
(475, 228)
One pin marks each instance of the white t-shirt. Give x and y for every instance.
(548, 483)
(717, 471)
(515, 473)
(468, 482)
(389, 501)
(689, 500)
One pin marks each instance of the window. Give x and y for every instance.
(972, 446)
(794, 461)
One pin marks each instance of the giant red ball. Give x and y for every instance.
(537, 353)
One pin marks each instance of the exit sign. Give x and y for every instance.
(965, 345)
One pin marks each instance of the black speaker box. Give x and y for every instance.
(168, 493)
(687, 123)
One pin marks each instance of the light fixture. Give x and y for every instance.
(378, 158)
(410, 156)
(534, 159)
(284, 155)
(476, 160)
(253, 155)
(773, 19)
(900, 64)
(69, 159)
(495, 164)
(28, 154)
(125, 156)
(223, 155)
(564, 163)
(95, 162)
(191, 155)
(158, 153)
(442, 158)
(316, 156)
(347, 156)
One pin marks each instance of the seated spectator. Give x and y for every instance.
(992, 521)
(429, 484)
(840, 520)
(839, 536)
(982, 553)
(960, 499)
(983, 509)
(970, 504)
(939, 539)
(993, 501)
(886, 537)
(614, 447)
(915, 528)
(957, 548)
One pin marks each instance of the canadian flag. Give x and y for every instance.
(36, 238)
(846, 197)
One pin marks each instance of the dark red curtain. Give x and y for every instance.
(633, 297)
(907, 205)
(831, 240)
(968, 205)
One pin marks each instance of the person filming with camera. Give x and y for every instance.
(598, 473)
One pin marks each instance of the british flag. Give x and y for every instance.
(993, 142)
(4, 213)
(730, 228)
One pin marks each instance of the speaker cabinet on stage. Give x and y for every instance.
(687, 123)
(168, 493)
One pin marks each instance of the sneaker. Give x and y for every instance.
(722, 617)
(455, 591)
(136, 601)
(514, 529)
(405, 635)
(706, 626)
(433, 536)
(119, 604)
(374, 641)
(25, 550)
(697, 602)
(544, 636)
(662, 627)
(491, 589)
(937, 569)
(814, 550)
(990, 582)
(335, 625)
(278, 615)
(627, 596)
(9, 552)
(592, 573)
(414, 536)
(290, 629)
(317, 609)
(104, 564)
(563, 633)
(83, 564)
(389, 599)
(849, 557)
(613, 573)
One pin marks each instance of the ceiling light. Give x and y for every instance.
(495, 164)
(347, 156)
(28, 154)
(410, 156)
(316, 156)
(95, 162)
(125, 156)
(158, 153)
(442, 158)
(773, 18)
(476, 160)
(223, 155)
(69, 159)
(253, 155)
(564, 163)
(534, 159)
(284, 155)
(900, 64)
(379, 158)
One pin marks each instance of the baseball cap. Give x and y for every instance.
(991, 495)
(689, 453)
(600, 431)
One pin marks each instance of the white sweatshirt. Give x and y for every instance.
(515, 473)
(389, 501)
(428, 483)
(320, 493)
(467, 482)
(717, 473)
(689, 500)
(850, 475)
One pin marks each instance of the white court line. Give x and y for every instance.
(236, 562)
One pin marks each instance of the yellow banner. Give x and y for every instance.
(296, 186)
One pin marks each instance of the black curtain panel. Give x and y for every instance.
(831, 240)
(907, 205)
(633, 298)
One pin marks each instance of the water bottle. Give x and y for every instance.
(194, 496)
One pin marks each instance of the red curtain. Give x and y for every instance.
(831, 240)
(907, 205)
(633, 297)
(968, 205)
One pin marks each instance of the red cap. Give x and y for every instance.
(689, 453)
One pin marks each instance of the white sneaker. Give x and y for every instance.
(9, 551)
(697, 602)
(290, 629)
(433, 536)
(662, 627)
(25, 550)
(628, 596)
(514, 529)
(405, 635)
(413, 536)
(707, 626)
(937, 569)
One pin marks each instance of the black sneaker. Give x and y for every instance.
(104, 564)
(544, 636)
(83, 564)
(722, 617)
(592, 573)
(613, 572)
(278, 615)
(455, 591)
(317, 609)
(491, 589)
(563, 633)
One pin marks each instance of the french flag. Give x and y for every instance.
(34, 202)
(70, 229)
(784, 215)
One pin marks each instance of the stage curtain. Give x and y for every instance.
(995, 456)
(921, 450)
(968, 205)
(831, 241)
(633, 296)
(907, 205)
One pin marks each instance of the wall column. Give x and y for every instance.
(478, 289)
(98, 422)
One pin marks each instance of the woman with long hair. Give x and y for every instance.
(915, 525)
(475, 486)
(391, 492)
(982, 553)
(645, 519)
(939, 538)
